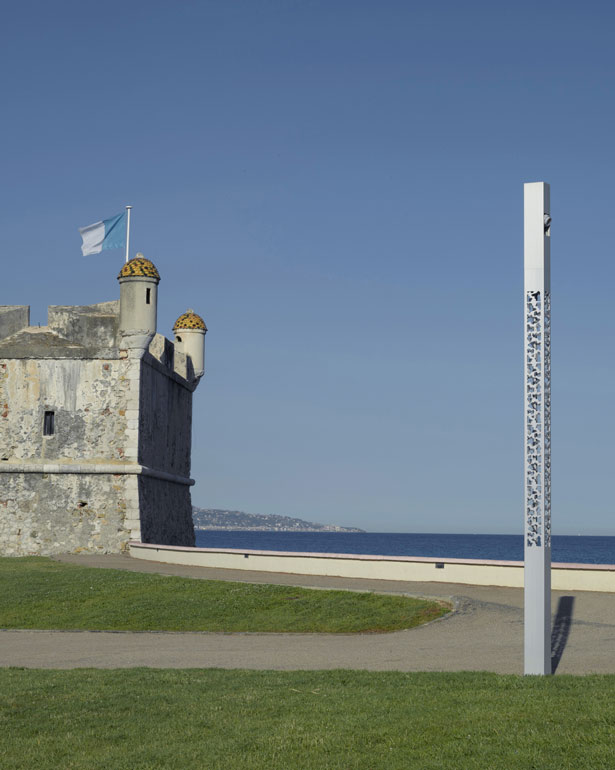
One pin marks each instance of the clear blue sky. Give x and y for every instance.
(337, 187)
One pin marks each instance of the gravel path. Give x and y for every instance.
(485, 633)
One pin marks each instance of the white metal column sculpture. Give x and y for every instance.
(537, 539)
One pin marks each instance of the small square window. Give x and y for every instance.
(49, 424)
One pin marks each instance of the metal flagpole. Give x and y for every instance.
(128, 208)
(537, 513)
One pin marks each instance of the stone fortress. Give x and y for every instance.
(96, 423)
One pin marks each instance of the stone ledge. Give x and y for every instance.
(95, 468)
(19, 353)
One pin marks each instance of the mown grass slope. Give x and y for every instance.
(40, 593)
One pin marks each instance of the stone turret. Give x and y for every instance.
(138, 296)
(190, 331)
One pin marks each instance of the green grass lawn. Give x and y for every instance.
(36, 592)
(137, 718)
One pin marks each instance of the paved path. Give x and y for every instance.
(484, 634)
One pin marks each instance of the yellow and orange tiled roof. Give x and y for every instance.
(190, 320)
(139, 267)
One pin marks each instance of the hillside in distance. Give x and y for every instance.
(216, 518)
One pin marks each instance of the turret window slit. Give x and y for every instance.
(49, 424)
(148, 296)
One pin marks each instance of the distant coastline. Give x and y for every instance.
(212, 519)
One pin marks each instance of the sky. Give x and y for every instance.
(336, 186)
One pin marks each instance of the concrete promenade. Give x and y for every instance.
(484, 634)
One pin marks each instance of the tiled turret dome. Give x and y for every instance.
(139, 267)
(190, 320)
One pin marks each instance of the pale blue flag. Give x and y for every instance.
(108, 234)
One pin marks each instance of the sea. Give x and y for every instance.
(583, 549)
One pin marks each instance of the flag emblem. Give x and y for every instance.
(108, 234)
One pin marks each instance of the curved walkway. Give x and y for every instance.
(484, 634)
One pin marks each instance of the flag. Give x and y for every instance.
(108, 234)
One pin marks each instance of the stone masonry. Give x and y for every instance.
(95, 424)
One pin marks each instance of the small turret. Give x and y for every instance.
(190, 331)
(138, 296)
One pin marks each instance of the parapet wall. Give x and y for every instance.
(13, 318)
(564, 577)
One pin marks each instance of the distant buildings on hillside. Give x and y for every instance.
(216, 518)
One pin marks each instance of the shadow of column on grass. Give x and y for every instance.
(561, 630)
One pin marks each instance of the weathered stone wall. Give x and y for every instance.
(46, 513)
(122, 420)
(87, 396)
(13, 318)
(165, 420)
(166, 512)
(50, 512)
(94, 326)
(165, 435)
